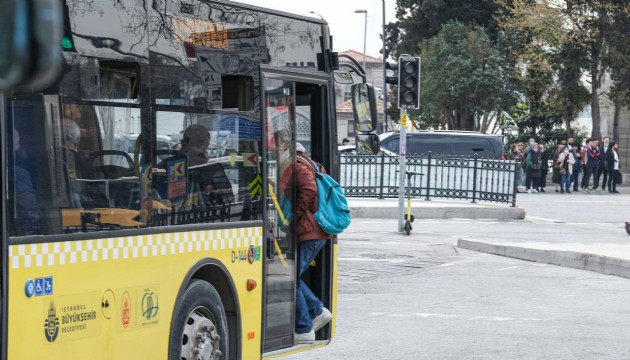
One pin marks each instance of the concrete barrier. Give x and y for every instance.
(561, 257)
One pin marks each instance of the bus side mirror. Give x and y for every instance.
(30, 39)
(364, 107)
(367, 144)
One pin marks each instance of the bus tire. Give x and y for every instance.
(199, 329)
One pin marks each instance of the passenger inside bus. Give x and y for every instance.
(77, 165)
(210, 178)
(25, 216)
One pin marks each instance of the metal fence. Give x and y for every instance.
(445, 177)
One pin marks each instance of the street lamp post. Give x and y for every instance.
(364, 35)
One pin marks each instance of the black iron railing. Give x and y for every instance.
(446, 177)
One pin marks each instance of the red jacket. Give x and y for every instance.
(306, 227)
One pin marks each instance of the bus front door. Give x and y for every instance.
(293, 112)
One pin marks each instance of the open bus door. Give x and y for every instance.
(295, 111)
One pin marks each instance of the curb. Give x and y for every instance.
(441, 212)
(573, 259)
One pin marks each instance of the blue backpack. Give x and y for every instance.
(333, 212)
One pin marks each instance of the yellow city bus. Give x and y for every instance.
(146, 206)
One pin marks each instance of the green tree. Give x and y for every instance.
(577, 36)
(463, 78)
(419, 20)
(617, 59)
(553, 60)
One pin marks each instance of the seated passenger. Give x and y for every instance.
(210, 178)
(78, 166)
(25, 218)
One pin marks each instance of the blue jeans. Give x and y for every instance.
(307, 305)
(565, 182)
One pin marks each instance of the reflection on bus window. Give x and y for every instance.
(210, 179)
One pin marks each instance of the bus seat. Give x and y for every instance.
(109, 171)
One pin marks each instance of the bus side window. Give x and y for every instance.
(99, 169)
(24, 210)
(221, 154)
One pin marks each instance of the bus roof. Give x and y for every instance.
(253, 4)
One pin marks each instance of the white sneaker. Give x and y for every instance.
(305, 338)
(529, 191)
(322, 319)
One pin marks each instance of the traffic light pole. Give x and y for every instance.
(408, 98)
(402, 165)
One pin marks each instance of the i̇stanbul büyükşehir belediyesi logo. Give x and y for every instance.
(51, 324)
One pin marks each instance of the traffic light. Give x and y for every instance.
(408, 82)
(393, 80)
(66, 41)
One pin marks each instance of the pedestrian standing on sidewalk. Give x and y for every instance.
(530, 142)
(556, 178)
(584, 150)
(311, 315)
(612, 157)
(577, 166)
(566, 161)
(532, 168)
(603, 162)
(516, 154)
(592, 164)
(544, 169)
(571, 143)
(585, 168)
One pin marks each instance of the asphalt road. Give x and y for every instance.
(421, 297)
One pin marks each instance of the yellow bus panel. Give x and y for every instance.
(113, 298)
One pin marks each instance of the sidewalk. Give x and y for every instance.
(608, 257)
(611, 259)
(433, 209)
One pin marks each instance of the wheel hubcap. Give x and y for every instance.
(200, 340)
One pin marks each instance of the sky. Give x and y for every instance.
(346, 26)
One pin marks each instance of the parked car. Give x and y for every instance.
(352, 150)
(446, 142)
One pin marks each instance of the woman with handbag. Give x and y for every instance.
(612, 158)
(565, 170)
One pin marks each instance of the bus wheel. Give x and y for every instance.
(199, 330)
